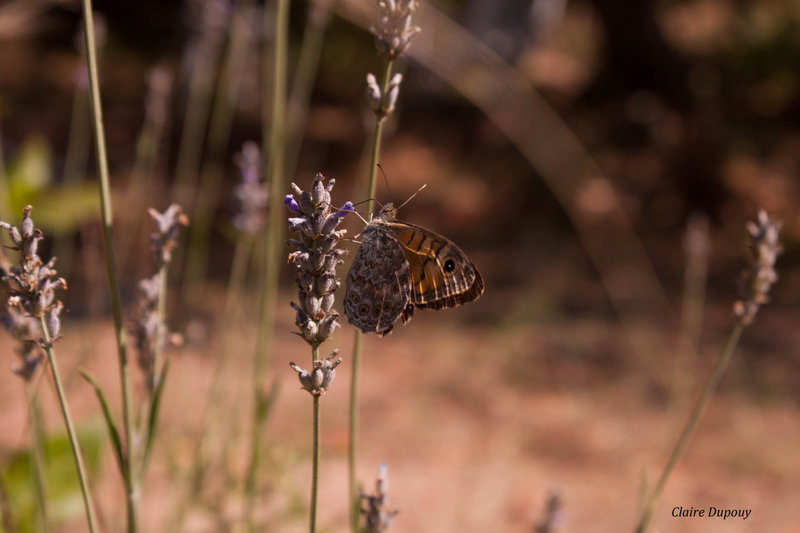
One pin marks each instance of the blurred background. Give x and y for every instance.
(597, 160)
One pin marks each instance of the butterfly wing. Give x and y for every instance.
(378, 283)
(441, 274)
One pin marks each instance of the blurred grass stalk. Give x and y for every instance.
(37, 455)
(274, 150)
(215, 410)
(224, 106)
(198, 105)
(75, 159)
(691, 424)
(131, 490)
(760, 275)
(697, 245)
(159, 82)
(307, 67)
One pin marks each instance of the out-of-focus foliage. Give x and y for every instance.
(60, 210)
(63, 491)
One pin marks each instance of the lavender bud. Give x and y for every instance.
(345, 209)
(328, 324)
(16, 238)
(307, 206)
(318, 192)
(318, 259)
(326, 283)
(373, 93)
(312, 305)
(318, 224)
(327, 303)
(330, 223)
(291, 203)
(27, 222)
(54, 322)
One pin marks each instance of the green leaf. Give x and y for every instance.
(116, 442)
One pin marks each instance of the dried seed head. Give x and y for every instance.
(315, 257)
(376, 516)
(383, 103)
(393, 31)
(317, 381)
(165, 238)
(760, 274)
(30, 296)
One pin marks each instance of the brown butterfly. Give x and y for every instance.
(400, 267)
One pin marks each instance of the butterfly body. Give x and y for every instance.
(400, 267)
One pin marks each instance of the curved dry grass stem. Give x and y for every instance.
(509, 100)
(691, 424)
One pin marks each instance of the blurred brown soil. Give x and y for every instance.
(477, 423)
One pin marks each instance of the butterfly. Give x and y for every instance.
(400, 267)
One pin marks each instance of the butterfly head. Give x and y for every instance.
(387, 213)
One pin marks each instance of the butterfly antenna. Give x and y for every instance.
(385, 180)
(413, 195)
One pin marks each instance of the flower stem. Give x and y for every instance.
(73, 437)
(691, 424)
(161, 313)
(357, 347)
(107, 217)
(312, 512)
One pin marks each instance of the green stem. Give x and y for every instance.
(37, 455)
(107, 218)
(691, 424)
(161, 310)
(352, 455)
(377, 138)
(274, 132)
(355, 498)
(73, 436)
(312, 511)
